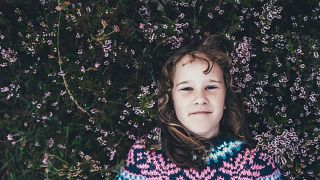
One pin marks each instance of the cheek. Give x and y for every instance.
(222, 100)
(219, 101)
(179, 105)
(177, 99)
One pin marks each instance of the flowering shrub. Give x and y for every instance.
(79, 79)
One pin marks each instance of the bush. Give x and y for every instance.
(79, 79)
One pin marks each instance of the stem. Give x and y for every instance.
(65, 152)
(60, 67)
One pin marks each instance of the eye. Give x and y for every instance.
(211, 87)
(186, 89)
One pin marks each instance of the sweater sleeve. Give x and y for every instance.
(267, 166)
(135, 159)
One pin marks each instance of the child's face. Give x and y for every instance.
(198, 97)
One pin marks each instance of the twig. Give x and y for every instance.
(60, 67)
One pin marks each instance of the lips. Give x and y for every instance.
(200, 112)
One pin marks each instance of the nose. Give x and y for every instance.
(200, 98)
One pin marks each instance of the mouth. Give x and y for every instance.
(200, 113)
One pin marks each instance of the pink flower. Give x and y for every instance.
(9, 137)
(141, 26)
(59, 8)
(45, 159)
(82, 69)
(116, 28)
(96, 65)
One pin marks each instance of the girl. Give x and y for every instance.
(203, 132)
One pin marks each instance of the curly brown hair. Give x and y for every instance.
(182, 146)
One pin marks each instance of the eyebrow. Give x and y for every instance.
(211, 80)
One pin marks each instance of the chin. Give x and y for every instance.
(202, 134)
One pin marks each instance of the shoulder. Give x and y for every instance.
(269, 169)
(133, 161)
(261, 163)
(138, 155)
(239, 159)
(143, 161)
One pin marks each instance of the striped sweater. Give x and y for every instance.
(228, 159)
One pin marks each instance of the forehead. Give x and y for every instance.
(196, 69)
(194, 59)
(190, 57)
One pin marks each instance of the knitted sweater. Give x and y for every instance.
(228, 159)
